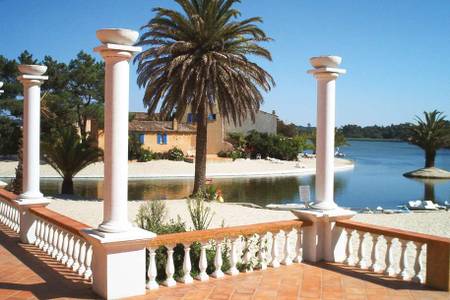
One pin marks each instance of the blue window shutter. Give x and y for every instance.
(165, 138)
(141, 138)
(158, 139)
(189, 118)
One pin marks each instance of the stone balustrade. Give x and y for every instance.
(396, 253)
(9, 211)
(244, 247)
(60, 237)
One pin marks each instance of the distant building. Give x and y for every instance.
(160, 136)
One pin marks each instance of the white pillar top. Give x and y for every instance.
(118, 39)
(326, 64)
(32, 72)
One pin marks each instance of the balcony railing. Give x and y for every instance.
(60, 237)
(397, 253)
(9, 211)
(246, 248)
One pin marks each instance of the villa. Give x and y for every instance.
(161, 135)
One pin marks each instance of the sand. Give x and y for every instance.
(176, 169)
(90, 212)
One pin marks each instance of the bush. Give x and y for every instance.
(175, 154)
(146, 155)
(201, 214)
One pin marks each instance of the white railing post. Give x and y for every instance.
(275, 263)
(218, 261)
(152, 284)
(287, 260)
(187, 265)
(298, 247)
(262, 254)
(418, 268)
(233, 271)
(389, 258)
(203, 263)
(170, 267)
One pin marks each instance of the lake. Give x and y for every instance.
(376, 181)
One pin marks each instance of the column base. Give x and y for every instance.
(118, 262)
(325, 206)
(320, 241)
(27, 231)
(112, 227)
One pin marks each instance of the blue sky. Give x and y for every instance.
(397, 53)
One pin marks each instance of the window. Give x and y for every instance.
(162, 139)
(212, 117)
(190, 118)
(141, 138)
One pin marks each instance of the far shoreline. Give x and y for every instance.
(165, 169)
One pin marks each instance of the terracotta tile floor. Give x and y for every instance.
(27, 274)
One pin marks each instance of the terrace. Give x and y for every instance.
(321, 255)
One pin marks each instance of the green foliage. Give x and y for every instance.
(201, 214)
(145, 155)
(10, 134)
(175, 154)
(68, 154)
(431, 134)
(134, 147)
(152, 215)
(194, 57)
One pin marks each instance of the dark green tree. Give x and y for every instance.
(431, 134)
(198, 58)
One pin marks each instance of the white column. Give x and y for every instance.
(117, 52)
(118, 261)
(1, 85)
(326, 72)
(31, 79)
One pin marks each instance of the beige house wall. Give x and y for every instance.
(264, 123)
(183, 141)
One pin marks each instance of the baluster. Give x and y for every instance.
(51, 231)
(262, 254)
(363, 264)
(8, 217)
(287, 260)
(275, 263)
(82, 257)
(70, 250)
(88, 262)
(203, 263)
(16, 220)
(404, 263)
(38, 233)
(187, 265)
(418, 267)
(170, 268)
(298, 247)
(2, 212)
(65, 248)
(349, 248)
(374, 257)
(389, 258)
(152, 272)
(61, 250)
(56, 236)
(233, 258)
(45, 234)
(218, 261)
(359, 255)
(76, 254)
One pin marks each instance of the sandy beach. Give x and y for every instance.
(181, 169)
(90, 212)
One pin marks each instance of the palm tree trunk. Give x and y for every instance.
(67, 186)
(201, 148)
(430, 156)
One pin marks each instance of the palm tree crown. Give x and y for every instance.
(430, 134)
(198, 58)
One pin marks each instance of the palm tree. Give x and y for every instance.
(431, 134)
(198, 58)
(68, 154)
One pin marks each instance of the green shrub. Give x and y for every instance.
(175, 154)
(200, 212)
(145, 155)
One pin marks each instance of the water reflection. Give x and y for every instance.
(429, 187)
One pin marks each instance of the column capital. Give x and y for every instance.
(26, 79)
(117, 52)
(327, 72)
